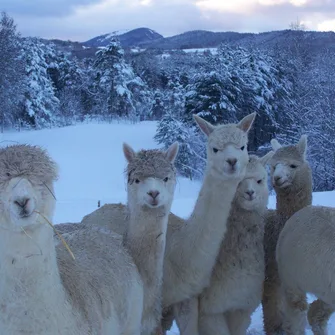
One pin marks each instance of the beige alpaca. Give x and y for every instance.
(192, 244)
(43, 291)
(151, 182)
(305, 257)
(292, 180)
(236, 287)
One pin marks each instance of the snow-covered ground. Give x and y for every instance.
(91, 169)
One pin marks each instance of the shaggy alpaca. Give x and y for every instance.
(306, 243)
(151, 183)
(236, 285)
(192, 244)
(43, 291)
(292, 180)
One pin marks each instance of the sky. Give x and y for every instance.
(80, 20)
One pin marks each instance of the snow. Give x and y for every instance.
(91, 169)
(213, 51)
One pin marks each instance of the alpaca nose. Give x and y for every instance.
(277, 178)
(250, 193)
(153, 194)
(22, 202)
(232, 161)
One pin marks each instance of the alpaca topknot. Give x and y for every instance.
(288, 152)
(150, 163)
(29, 161)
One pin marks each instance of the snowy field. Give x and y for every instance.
(91, 169)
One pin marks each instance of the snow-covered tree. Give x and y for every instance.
(11, 71)
(190, 161)
(124, 93)
(40, 102)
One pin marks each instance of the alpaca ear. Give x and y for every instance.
(302, 145)
(266, 158)
(246, 123)
(205, 126)
(128, 152)
(275, 144)
(172, 152)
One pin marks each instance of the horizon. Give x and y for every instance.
(81, 20)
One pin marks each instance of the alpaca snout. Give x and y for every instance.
(250, 194)
(231, 166)
(25, 206)
(22, 200)
(153, 197)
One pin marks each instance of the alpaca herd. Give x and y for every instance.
(138, 267)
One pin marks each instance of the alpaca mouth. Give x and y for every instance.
(282, 184)
(230, 171)
(24, 214)
(250, 198)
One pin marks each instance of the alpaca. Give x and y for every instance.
(193, 244)
(236, 287)
(43, 291)
(307, 243)
(151, 184)
(152, 176)
(291, 177)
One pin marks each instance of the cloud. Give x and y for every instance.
(84, 19)
(328, 25)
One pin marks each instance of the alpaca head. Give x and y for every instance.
(151, 176)
(252, 192)
(227, 154)
(26, 183)
(289, 164)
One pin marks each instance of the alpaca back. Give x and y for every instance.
(102, 282)
(307, 240)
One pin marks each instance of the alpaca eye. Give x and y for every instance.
(215, 150)
(166, 179)
(137, 181)
(8, 174)
(292, 166)
(259, 181)
(242, 148)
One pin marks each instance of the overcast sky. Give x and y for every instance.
(81, 20)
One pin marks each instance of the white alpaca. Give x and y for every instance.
(151, 183)
(236, 286)
(305, 257)
(193, 244)
(292, 180)
(43, 291)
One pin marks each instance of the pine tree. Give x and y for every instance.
(11, 71)
(190, 161)
(124, 93)
(40, 102)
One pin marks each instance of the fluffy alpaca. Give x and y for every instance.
(192, 244)
(236, 287)
(151, 183)
(305, 257)
(43, 291)
(292, 180)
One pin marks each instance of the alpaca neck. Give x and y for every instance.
(213, 204)
(247, 222)
(291, 201)
(30, 285)
(192, 252)
(145, 239)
